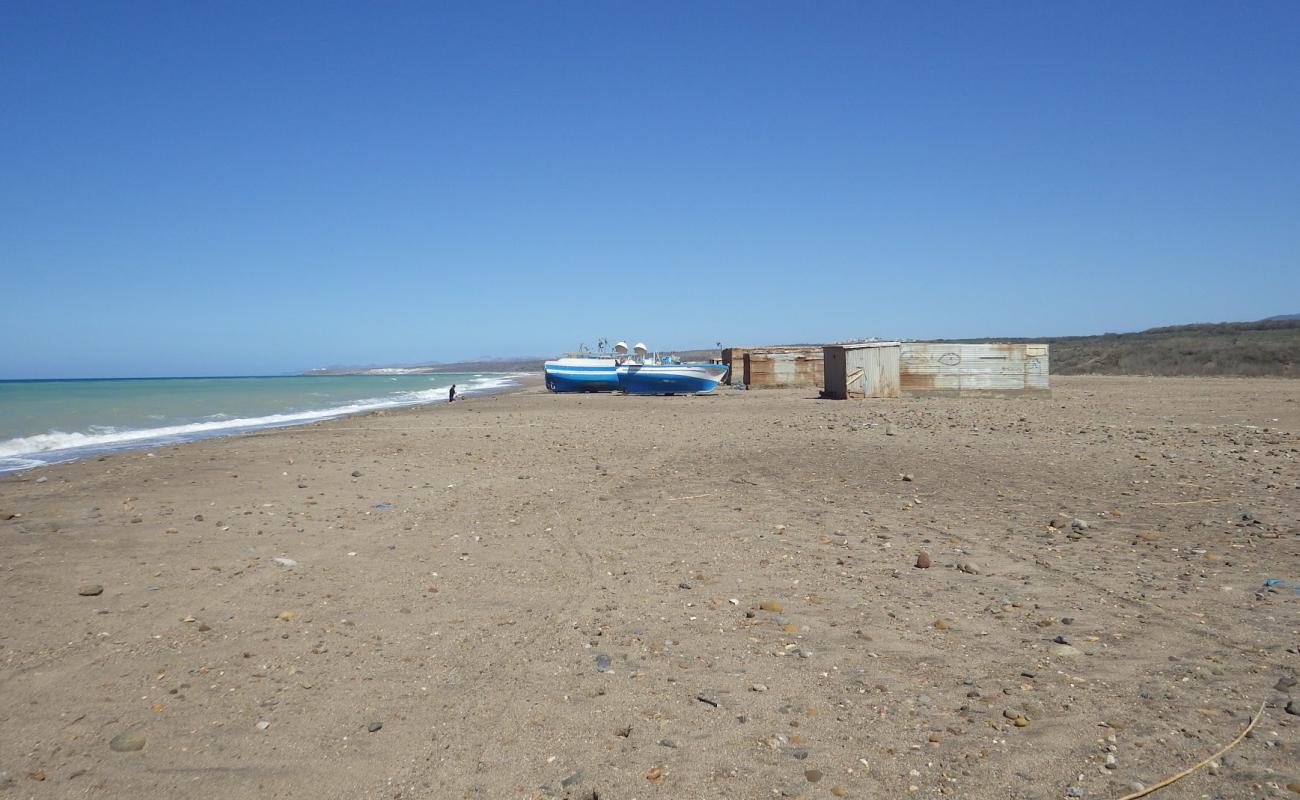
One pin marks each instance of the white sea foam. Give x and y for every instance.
(25, 452)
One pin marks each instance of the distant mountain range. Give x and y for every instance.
(1281, 316)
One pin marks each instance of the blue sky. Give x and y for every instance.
(231, 188)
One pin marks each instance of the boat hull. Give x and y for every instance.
(669, 378)
(581, 375)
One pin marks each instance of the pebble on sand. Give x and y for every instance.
(90, 590)
(126, 742)
(374, 726)
(923, 560)
(771, 605)
(1065, 650)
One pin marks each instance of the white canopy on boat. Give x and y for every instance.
(640, 348)
(620, 347)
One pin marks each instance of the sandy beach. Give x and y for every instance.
(534, 595)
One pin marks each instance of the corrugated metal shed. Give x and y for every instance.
(734, 357)
(770, 368)
(973, 370)
(869, 369)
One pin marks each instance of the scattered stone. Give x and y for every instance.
(923, 560)
(263, 725)
(1079, 524)
(603, 663)
(42, 479)
(1294, 787)
(654, 774)
(356, 473)
(669, 743)
(907, 477)
(90, 590)
(812, 775)
(771, 605)
(204, 627)
(890, 430)
(126, 742)
(1283, 683)
(285, 562)
(1067, 620)
(623, 732)
(7, 515)
(968, 567)
(839, 790)
(1065, 650)
(758, 687)
(374, 726)
(136, 520)
(1293, 708)
(685, 585)
(1073, 791)
(941, 624)
(286, 616)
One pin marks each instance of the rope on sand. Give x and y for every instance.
(1191, 502)
(1207, 760)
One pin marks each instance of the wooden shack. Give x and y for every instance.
(734, 357)
(973, 370)
(769, 368)
(866, 369)
(936, 369)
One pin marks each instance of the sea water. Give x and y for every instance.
(43, 422)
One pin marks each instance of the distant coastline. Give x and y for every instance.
(523, 364)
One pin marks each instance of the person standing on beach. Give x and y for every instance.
(451, 394)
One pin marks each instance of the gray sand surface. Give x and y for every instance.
(535, 595)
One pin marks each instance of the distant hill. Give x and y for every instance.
(1282, 316)
(1248, 349)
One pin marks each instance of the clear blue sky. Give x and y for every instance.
(218, 188)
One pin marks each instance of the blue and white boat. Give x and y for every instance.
(667, 376)
(584, 372)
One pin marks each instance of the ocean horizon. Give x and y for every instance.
(47, 421)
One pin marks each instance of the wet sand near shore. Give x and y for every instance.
(598, 596)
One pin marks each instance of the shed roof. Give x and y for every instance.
(860, 345)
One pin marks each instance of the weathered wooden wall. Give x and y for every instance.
(972, 370)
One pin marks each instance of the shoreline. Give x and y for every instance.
(150, 438)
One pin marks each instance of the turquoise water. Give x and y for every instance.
(43, 422)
